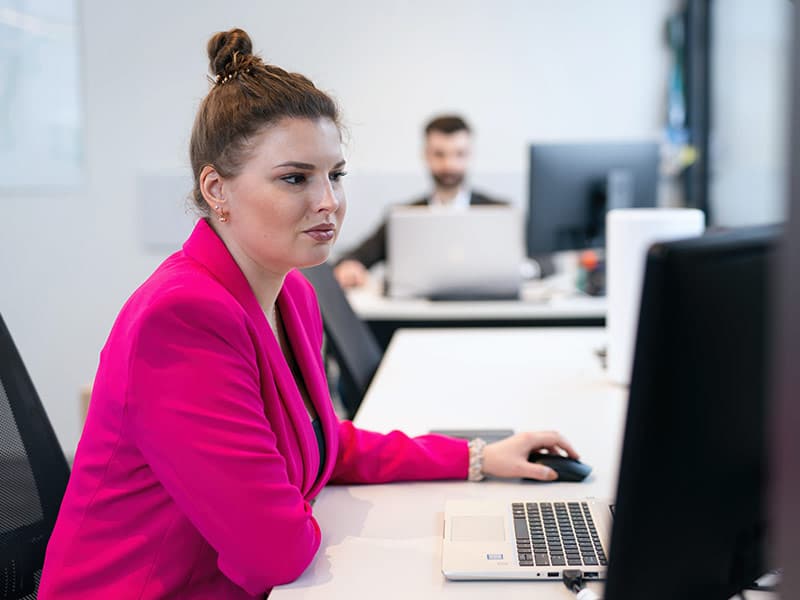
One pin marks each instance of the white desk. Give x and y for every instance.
(552, 298)
(372, 306)
(385, 541)
(550, 302)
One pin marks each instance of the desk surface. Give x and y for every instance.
(386, 539)
(551, 299)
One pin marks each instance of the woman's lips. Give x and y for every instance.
(322, 233)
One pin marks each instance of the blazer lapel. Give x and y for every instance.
(309, 359)
(205, 246)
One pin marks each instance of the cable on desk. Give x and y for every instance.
(766, 583)
(573, 579)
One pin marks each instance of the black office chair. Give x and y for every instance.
(353, 346)
(33, 476)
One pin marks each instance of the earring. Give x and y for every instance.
(221, 216)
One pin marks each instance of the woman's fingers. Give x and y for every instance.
(553, 442)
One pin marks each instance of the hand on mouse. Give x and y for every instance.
(509, 457)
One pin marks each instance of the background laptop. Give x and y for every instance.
(438, 253)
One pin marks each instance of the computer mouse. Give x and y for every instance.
(568, 469)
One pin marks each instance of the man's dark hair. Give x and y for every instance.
(447, 124)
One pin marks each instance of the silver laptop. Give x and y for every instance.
(490, 539)
(438, 253)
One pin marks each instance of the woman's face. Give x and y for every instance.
(286, 206)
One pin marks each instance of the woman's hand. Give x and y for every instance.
(509, 457)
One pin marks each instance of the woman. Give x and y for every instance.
(210, 428)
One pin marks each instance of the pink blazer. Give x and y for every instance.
(198, 458)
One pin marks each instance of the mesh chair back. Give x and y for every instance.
(354, 347)
(33, 476)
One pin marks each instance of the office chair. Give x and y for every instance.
(33, 476)
(353, 346)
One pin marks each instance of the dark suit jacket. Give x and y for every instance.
(373, 249)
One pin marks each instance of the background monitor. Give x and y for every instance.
(572, 186)
(786, 355)
(690, 510)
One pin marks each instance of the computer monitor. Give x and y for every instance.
(572, 186)
(690, 512)
(785, 442)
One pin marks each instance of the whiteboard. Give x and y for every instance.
(41, 139)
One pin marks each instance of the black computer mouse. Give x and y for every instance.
(568, 469)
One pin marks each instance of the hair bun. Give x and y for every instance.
(226, 49)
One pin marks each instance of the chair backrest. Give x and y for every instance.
(354, 347)
(33, 476)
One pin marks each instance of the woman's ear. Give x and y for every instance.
(211, 189)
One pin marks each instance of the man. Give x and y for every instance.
(447, 153)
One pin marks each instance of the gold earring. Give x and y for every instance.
(221, 216)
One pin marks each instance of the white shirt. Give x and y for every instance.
(459, 202)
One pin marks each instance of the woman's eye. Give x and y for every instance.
(294, 179)
(337, 175)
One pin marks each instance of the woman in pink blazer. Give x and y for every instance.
(211, 429)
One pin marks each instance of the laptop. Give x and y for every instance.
(533, 539)
(447, 254)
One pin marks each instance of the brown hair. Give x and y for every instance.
(247, 95)
(447, 124)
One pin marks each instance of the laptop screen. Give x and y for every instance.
(444, 254)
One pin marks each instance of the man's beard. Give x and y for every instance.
(448, 180)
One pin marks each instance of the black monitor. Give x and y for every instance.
(690, 511)
(785, 484)
(572, 186)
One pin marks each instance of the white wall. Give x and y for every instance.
(520, 70)
(751, 46)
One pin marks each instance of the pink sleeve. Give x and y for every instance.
(197, 416)
(369, 457)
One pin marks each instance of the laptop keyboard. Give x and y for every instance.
(557, 534)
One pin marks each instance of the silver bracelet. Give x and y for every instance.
(476, 447)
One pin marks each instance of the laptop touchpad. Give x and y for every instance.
(478, 529)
